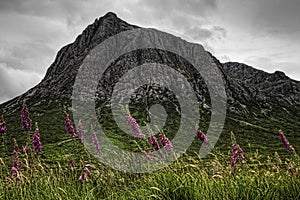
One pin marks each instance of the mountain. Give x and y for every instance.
(258, 103)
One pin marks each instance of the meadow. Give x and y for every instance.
(35, 169)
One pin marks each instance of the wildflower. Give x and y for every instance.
(96, 143)
(153, 142)
(36, 141)
(285, 141)
(80, 132)
(202, 137)
(86, 171)
(69, 127)
(134, 126)
(86, 177)
(25, 119)
(236, 151)
(3, 128)
(17, 167)
(165, 142)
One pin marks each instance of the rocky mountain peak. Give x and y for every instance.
(244, 84)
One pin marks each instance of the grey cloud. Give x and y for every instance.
(13, 82)
(278, 16)
(201, 34)
(72, 12)
(271, 65)
(26, 56)
(188, 7)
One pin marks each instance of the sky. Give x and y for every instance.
(261, 33)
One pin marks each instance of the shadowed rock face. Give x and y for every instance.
(264, 87)
(245, 86)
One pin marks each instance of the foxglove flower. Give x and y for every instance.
(236, 152)
(165, 142)
(25, 119)
(3, 128)
(134, 126)
(96, 144)
(69, 127)
(80, 132)
(36, 141)
(153, 142)
(86, 171)
(17, 166)
(202, 137)
(285, 141)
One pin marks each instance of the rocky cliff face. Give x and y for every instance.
(245, 86)
(263, 87)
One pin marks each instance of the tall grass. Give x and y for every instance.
(77, 175)
(187, 178)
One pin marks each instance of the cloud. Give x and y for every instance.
(202, 34)
(278, 17)
(32, 56)
(15, 81)
(261, 17)
(168, 8)
(272, 65)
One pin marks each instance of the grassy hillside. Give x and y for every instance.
(270, 172)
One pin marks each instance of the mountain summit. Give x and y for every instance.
(257, 100)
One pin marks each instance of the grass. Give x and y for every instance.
(270, 172)
(187, 178)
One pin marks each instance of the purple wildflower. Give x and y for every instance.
(236, 152)
(165, 142)
(3, 128)
(86, 177)
(243, 159)
(17, 167)
(134, 126)
(154, 144)
(202, 137)
(25, 119)
(80, 178)
(80, 132)
(69, 127)
(96, 143)
(86, 171)
(36, 141)
(285, 141)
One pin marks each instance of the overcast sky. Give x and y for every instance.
(262, 33)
